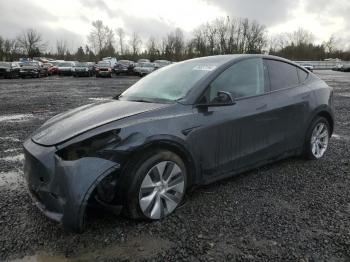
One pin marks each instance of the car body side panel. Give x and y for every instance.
(231, 136)
(290, 108)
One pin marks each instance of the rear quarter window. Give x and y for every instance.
(302, 75)
(282, 75)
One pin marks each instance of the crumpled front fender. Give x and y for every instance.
(75, 182)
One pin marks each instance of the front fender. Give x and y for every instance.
(76, 181)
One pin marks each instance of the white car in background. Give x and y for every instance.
(308, 67)
(161, 63)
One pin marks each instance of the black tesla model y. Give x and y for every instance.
(184, 125)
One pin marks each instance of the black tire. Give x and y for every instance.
(134, 174)
(307, 153)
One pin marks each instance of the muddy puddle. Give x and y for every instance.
(133, 249)
(11, 179)
(15, 158)
(16, 118)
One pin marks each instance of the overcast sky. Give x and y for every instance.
(71, 19)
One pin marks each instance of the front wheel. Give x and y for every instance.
(156, 185)
(317, 139)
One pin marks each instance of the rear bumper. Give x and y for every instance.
(66, 73)
(81, 73)
(61, 189)
(103, 73)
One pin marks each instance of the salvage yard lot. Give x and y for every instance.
(292, 210)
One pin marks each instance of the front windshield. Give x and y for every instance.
(169, 83)
(81, 65)
(146, 65)
(124, 62)
(103, 64)
(4, 64)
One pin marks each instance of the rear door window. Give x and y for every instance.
(282, 75)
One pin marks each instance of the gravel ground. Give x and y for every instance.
(293, 210)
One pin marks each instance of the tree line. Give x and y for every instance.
(221, 36)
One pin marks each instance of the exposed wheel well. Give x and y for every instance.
(173, 147)
(329, 118)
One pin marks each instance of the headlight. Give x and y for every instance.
(73, 69)
(7, 70)
(93, 146)
(86, 69)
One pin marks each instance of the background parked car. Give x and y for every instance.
(112, 60)
(82, 69)
(161, 63)
(53, 70)
(144, 68)
(65, 68)
(44, 69)
(31, 69)
(143, 60)
(124, 67)
(9, 70)
(103, 68)
(308, 67)
(337, 67)
(345, 68)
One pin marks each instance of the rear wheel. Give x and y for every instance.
(317, 139)
(156, 185)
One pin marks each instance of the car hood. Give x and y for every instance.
(77, 121)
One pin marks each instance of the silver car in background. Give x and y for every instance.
(143, 69)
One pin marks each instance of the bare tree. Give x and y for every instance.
(31, 42)
(101, 37)
(61, 48)
(152, 48)
(11, 48)
(300, 36)
(121, 39)
(2, 51)
(331, 44)
(135, 43)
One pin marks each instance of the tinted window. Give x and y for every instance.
(282, 75)
(245, 78)
(302, 75)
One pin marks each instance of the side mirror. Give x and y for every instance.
(223, 98)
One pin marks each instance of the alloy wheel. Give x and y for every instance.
(319, 140)
(161, 190)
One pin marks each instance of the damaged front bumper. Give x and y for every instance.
(61, 189)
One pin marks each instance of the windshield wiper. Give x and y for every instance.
(141, 100)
